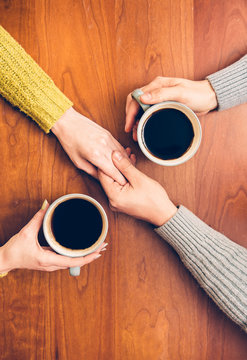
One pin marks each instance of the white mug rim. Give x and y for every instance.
(174, 105)
(70, 252)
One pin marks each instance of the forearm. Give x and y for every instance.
(218, 264)
(230, 84)
(25, 85)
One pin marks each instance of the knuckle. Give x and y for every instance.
(158, 79)
(42, 261)
(105, 138)
(96, 153)
(24, 233)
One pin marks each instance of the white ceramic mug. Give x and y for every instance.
(148, 111)
(50, 238)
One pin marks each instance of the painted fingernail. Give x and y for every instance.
(97, 256)
(104, 249)
(105, 245)
(117, 155)
(146, 96)
(44, 205)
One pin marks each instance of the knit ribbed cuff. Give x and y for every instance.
(180, 226)
(218, 264)
(230, 84)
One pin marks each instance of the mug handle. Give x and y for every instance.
(75, 271)
(136, 95)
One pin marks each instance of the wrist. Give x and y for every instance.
(63, 121)
(212, 99)
(165, 213)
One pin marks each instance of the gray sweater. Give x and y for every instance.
(217, 263)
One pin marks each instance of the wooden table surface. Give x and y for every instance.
(137, 301)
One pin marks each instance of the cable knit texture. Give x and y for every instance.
(230, 84)
(25, 85)
(217, 263)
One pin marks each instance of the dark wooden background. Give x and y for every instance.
(137, 301)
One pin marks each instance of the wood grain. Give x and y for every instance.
(220, 37)
(137, 301)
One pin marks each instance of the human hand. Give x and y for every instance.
(23, 251)
(197, 95)
(87, 144)
(142, 197)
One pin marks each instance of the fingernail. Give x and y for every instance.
(105, 245)
(97, 256)
(146, 96)
(104, 249)
(117, 155)
(44, 205)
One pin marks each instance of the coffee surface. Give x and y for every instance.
(168, 133)
(76, 224)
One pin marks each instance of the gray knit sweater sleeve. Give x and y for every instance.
(230, 84)
(217, 263)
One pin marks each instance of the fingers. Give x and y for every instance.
(88, 168)
(125, 166)
(134, 134)
(173, 93)
(106, 181)
(160, 82)
(131, 156)
(132, 107)
(117, 146)
(110, 170)
(54, 261)
(131, 112)
(35, 223)
(106, 164)
(128, 151)
(133, 159)
(110, 186)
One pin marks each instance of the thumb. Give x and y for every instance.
(35, 223)
(125, 166)
(172, 93)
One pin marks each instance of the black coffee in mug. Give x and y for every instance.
(76, 224)
(168, 134)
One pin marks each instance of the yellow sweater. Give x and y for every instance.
(25, 85)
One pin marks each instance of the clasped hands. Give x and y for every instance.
(94, 150)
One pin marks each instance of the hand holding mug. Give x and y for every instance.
(75, 225)
(169, 133)
(197, 95)
(23, 251)
(142, 197)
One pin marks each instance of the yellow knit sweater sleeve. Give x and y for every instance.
(25, 85)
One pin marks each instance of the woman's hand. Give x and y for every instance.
(23, 251)
(198, 95)
(88, 145)
(142, 197)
